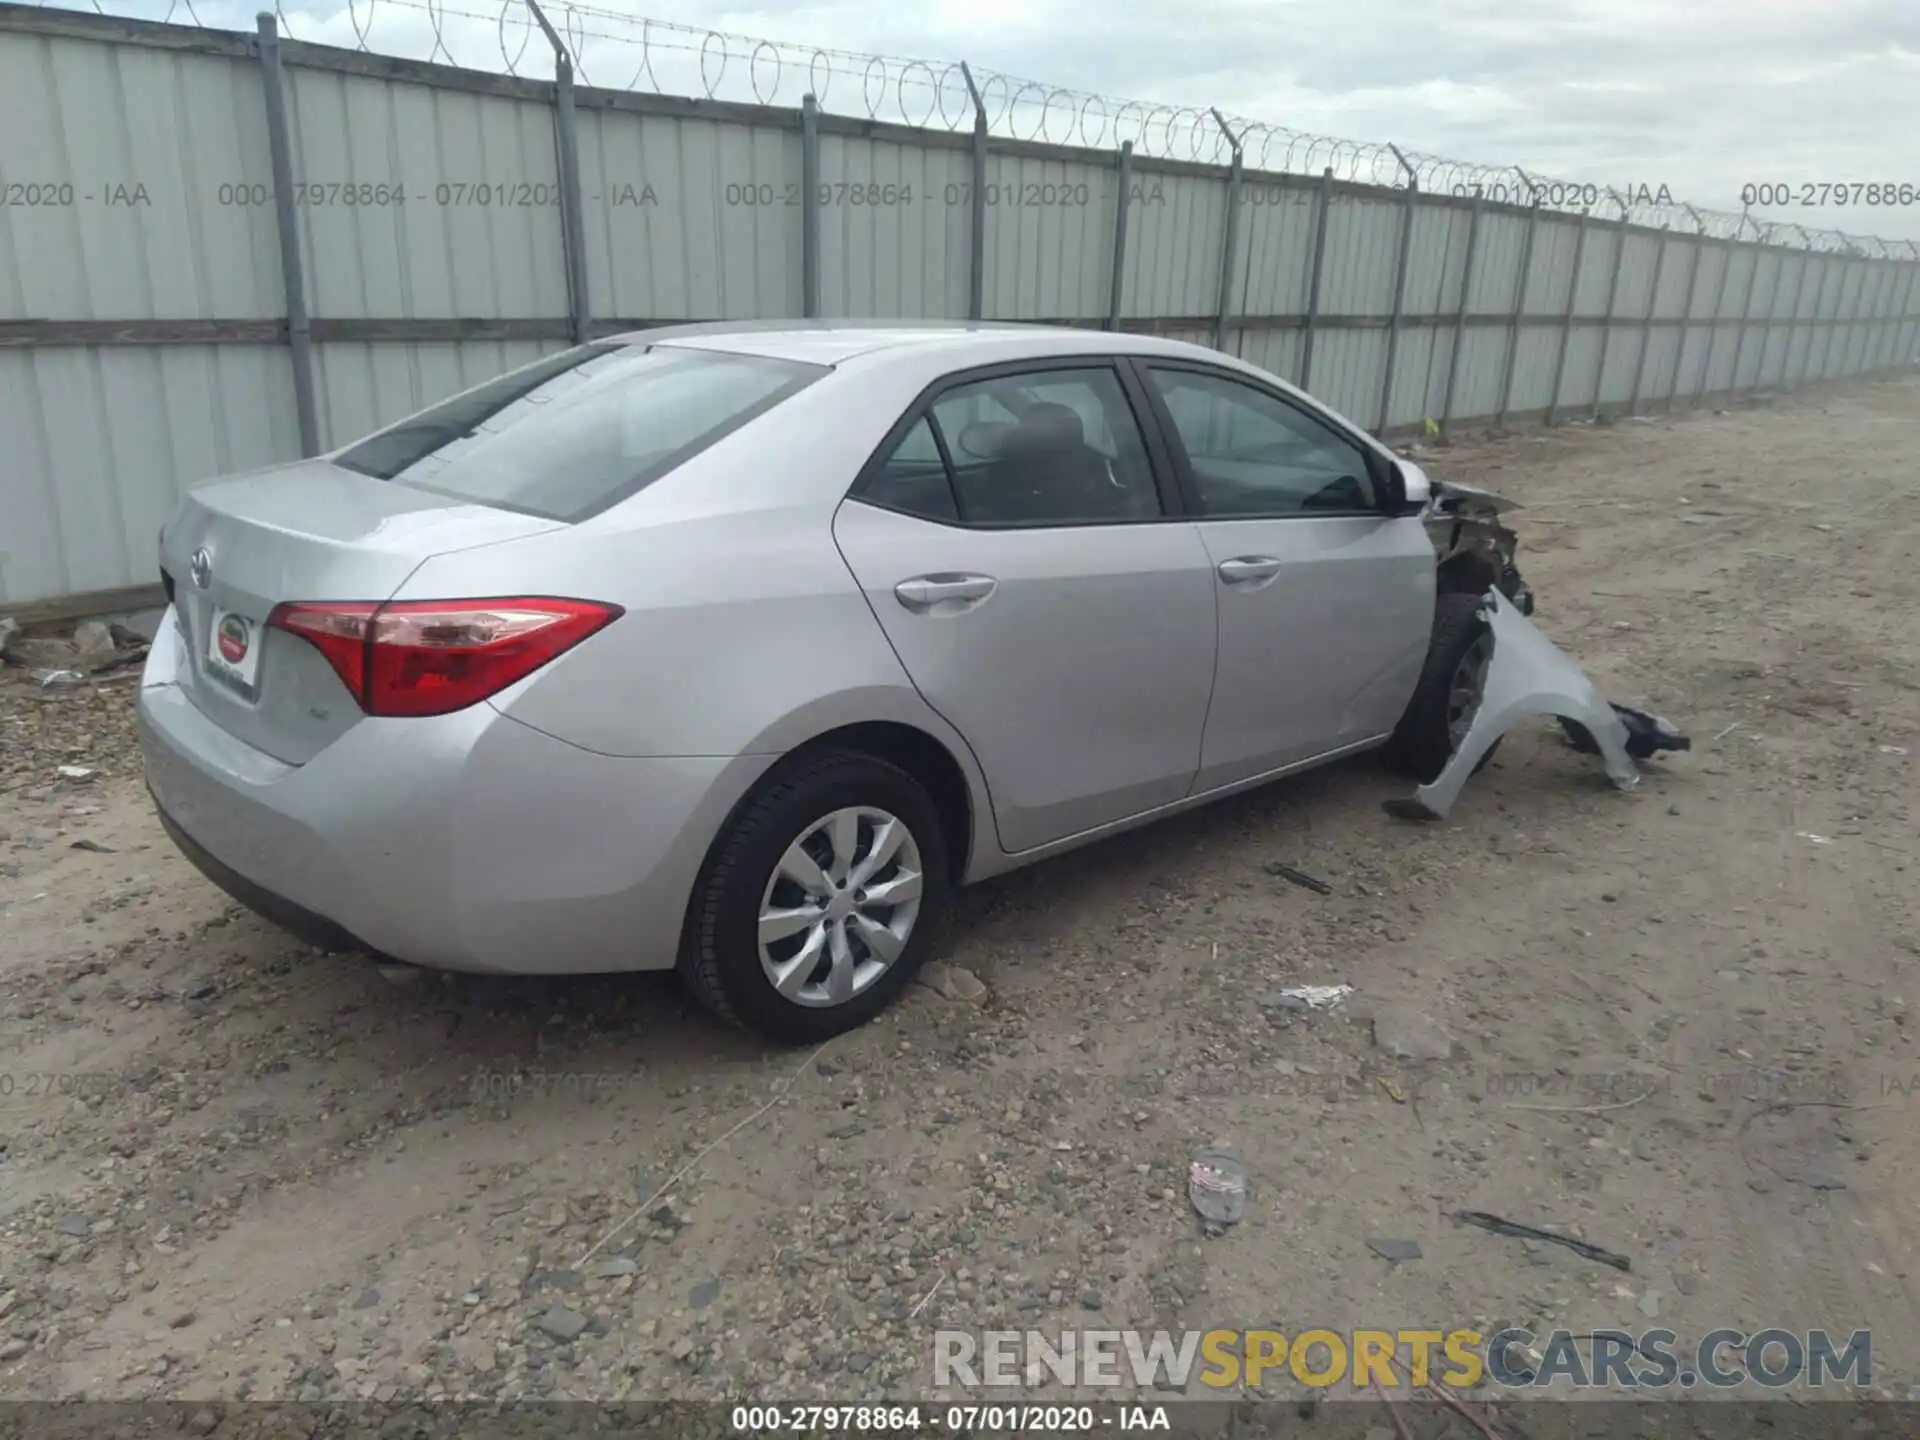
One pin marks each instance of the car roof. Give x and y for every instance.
(958, 343)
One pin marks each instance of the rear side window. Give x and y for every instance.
(914, 478)
(574, 433)
(1054, 447)
(1051, 447)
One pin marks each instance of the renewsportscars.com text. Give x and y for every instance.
(1461, 1358)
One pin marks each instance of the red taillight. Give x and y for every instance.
(431, 657)
(338, 632)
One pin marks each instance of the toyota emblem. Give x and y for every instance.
(201, 567)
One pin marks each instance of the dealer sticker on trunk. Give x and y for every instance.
(233, 649)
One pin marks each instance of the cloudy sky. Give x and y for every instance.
(1701, 96)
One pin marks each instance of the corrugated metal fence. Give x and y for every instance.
(219, 250)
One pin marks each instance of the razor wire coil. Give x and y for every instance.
(619, 51)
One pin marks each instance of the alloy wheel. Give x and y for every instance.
(840, 906)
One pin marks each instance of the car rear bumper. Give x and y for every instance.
(462, 842)
(301, 923)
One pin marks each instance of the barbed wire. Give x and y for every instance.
(608, 48)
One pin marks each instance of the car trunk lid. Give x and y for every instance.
(310, 531)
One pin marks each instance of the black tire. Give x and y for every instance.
(1421, 743)
(720, 961)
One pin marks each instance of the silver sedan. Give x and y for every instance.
(735, 648)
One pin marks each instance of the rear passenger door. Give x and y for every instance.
(1326, 599)
(1015, 539)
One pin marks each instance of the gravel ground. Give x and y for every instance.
(1672, 1022)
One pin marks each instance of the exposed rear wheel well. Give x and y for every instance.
(922, 757)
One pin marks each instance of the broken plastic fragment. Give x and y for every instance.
(1646, 734)
(1317, 997)
(1528, 675)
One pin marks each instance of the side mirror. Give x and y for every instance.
(1406, 488)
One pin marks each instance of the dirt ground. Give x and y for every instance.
(230, 1168)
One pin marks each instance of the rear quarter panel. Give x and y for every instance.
(741, 633)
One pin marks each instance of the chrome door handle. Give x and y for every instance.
(926, 591)
(1245, 568)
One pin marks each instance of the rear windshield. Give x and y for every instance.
(574, 433)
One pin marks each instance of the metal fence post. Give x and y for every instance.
(1813, 321)
(1817, 333)
(1646, 325)
(1519, 311)
(1839, 269)
(293, 278)
(1566, 320)
(1870, 341)
(1903, 289)
(1864, 310)
(1870, 331)
(1896, 315)
(1882, 315)
(1843, 312)
(1746, 317)
(977, 253)
(810, 207)
(1399, 292)
(1313, 281)
(1862, 314)
(566, 143)
(572, 218)
(1119, 273)
(1793, 311)
(1862, 319)
(1773, 306)
(1895, 356)
(1896, 286)
(1846, 326)
(1903, 342)
(1852, 320)
(1613, 295)
(1907, 312)
(1460, 318)
(1713, 331)
(1230, 244)
(1695, 251)
(1793, 315)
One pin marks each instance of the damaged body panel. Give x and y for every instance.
(1475, 550)
(1529, 675)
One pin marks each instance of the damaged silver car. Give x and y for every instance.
(735, 648)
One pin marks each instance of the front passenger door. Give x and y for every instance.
(1326, 601)
(1013, 541)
